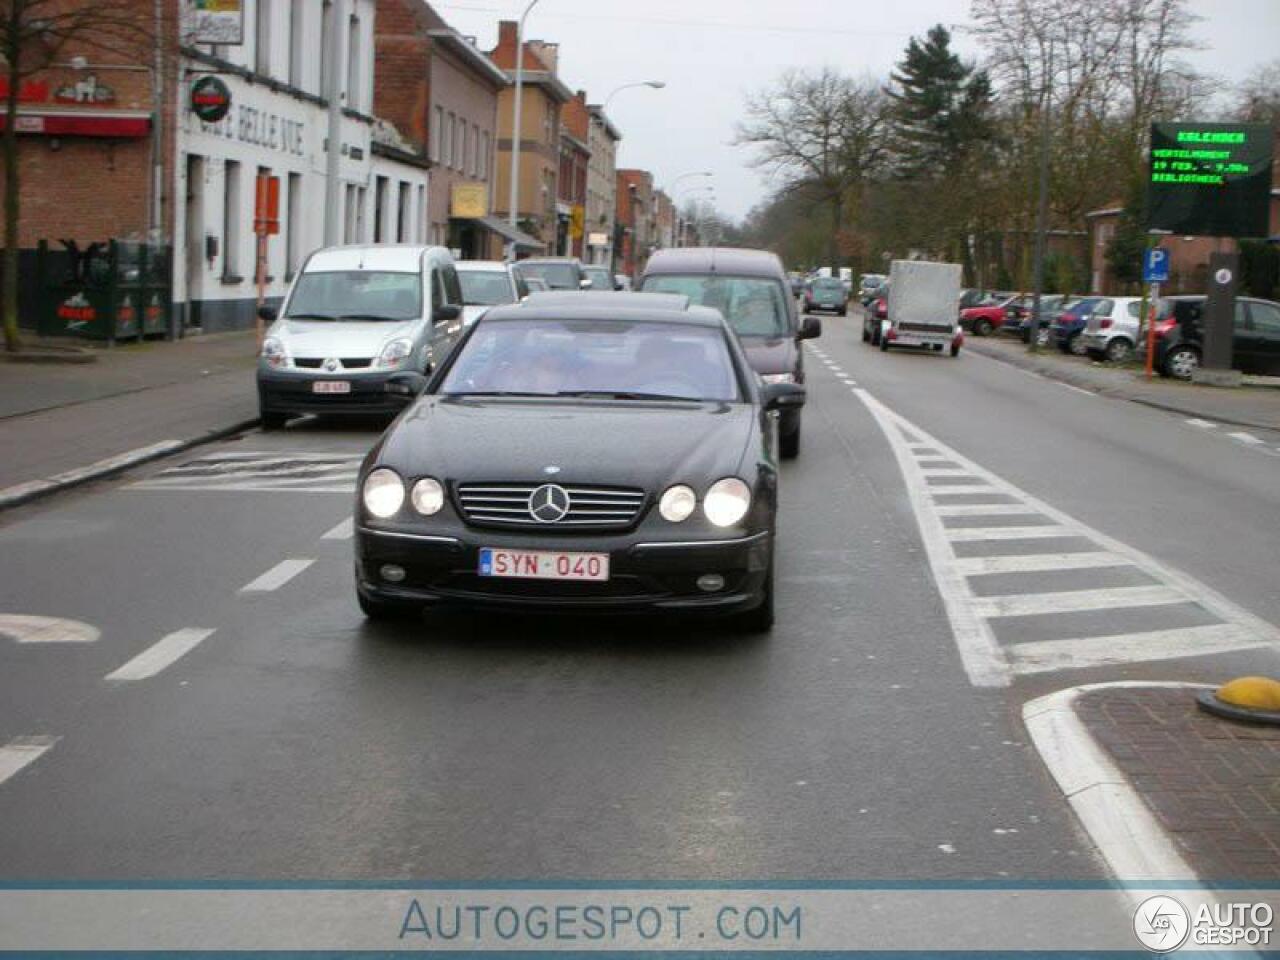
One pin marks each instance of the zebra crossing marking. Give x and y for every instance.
(241, 470)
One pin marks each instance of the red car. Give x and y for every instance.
(988, 318)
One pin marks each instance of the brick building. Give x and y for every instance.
(575, 159)
(636, 227)
(543, 96)
(602, 186)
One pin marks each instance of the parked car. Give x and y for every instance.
(623, 281)
(984, 319)
(488, 283)
(353, 316)
(827, 293)
(1018, 321)
(1067, 328)
(1111, 329)
(619, 460)
(974, 297)
(561, 273)
(1179, 334)
(600, 277)
(875, 315)
(751, 290)
(533, 283)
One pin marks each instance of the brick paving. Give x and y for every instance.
(1214, 785)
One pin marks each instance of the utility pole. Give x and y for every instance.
(1042, 207)
(333, 155)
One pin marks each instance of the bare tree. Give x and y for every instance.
(33, 35)
(821, 134)
(1258, 96)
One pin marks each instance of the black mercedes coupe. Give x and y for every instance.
(611, 458)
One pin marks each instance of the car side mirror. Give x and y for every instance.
(446, 312)
(584, 284)
(268, 313)
(783, 396)
(810, 328)
(406, 384)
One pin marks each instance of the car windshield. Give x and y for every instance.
(754, 306)
(597, 358)
(600, 278)
(485, 288)
(559, 276)
(356, 295)
(829, 286)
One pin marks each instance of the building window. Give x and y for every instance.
(437, 131)
(262, 38)
(484, 157)
(353, 64)
(420, 215)
(464, 144)
(327, 68)
(293, 226)
(475, 150)
(380, 210)
(297, 17)
(404, 198)
(446, 142)
(231, 222)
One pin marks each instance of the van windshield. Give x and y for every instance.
(356, 295)
(754, 306)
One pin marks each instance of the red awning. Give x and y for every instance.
(81, 124)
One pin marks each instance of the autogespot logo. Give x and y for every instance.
(1161, 924)
(549, 503)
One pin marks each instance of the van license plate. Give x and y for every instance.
(331, 386)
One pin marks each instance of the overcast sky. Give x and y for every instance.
(711, 53)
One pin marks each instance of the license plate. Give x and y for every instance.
(331, 386)
(543, 564)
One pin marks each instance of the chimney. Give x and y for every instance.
(507, 33)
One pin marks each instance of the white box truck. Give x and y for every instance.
(924, 300)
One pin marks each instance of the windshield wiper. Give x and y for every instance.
(309, 316)
(498, 393)
(372, 316)
(625, 395)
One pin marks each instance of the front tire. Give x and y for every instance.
(983, 327)
(789, 443)
(955, 349)
(884, 344)
(272, 420)
(761, 619)
(383, 611)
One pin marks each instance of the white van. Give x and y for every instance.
(353, 316)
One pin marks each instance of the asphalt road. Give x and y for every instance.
(875, 735)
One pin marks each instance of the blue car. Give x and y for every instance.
(1065, 330)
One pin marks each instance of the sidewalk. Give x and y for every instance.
(60, 418)
(1212, 784)
(1248, 406)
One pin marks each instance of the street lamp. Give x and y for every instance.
(681, 223)
(516, 132)
(654, 84)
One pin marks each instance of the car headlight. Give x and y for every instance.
(727, 502)
(395, 353)
(677, 503)
(383, 493)
(274, 353)
(778, 377)
(427, 496)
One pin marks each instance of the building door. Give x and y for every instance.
(193, 240)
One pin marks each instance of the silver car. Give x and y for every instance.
(1112, 330)
(488, 283)
(354, 316)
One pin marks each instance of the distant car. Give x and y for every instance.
(985, 319)
(875, 315)
(751, 290)
(975, 297)
(827, 293)
(869, 285)
(1067, 328)
(623, 281)
(1111, 329)
(561, 273)
(1179, 331)
(488, 283)
(600, 277)
(354, 316)
(1019, 322)
(619, 461)
(533, 283)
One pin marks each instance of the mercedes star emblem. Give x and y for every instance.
(549, 503)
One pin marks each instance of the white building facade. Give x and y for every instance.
(277, 125)
(602, 185)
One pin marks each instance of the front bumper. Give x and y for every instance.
(645, 576)
(291, 391)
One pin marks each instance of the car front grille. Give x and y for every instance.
(347, 363)
(507, 504)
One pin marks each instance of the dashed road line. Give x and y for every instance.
(21, 752)
(1202, 424)
(161, 655)
(1245, 437)
(278, 576)
(343, 531)
(987, 661)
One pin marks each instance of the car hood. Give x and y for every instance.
(330, 338)
(969, 313)
(605, 442)
(770, 355)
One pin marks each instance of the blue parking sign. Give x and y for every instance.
(1155, 265)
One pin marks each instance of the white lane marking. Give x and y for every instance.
(21, 751)
(970, 534)
(1202, 424)
(162, 654)
(1038, 563)
(944, 490)
(343, 531)
(985, 661)
(1075, 601)
(348, 489)
(24, 628)
(984, 510)
(1072, 387)
(1244, 437)
(109, 465)
(279, 575)
(1045, 656)
(946, 472)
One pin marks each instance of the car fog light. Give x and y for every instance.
(677, 503)
(727, 502)
(392, 573)
(710, 582)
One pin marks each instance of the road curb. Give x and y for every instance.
(1118, 821)
(1050, 373)
(23, 493)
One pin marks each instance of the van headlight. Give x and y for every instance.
(427, 496)
(677, 503)
(727, 502)
(383, 493)
(769, 378)
(274, 353)
(395, 353)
